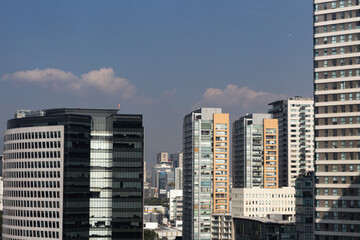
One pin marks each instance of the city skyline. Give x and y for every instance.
(160, 59)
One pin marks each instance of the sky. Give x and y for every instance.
(159, 58)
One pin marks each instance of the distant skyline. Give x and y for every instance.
(161, 59)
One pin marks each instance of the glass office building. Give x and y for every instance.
(73, 174)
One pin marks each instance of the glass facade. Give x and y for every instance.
(101, 194)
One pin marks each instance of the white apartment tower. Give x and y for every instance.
(337, 119)
(296, 137)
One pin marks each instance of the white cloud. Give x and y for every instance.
(168, 93)
(233, 96)
(103, 79)
(41, 76)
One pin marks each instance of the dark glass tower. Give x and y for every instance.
(73, 174)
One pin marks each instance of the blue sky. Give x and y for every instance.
(158, 58)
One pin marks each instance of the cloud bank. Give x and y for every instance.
(234, 96)
(103, 79)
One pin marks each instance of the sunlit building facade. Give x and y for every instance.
(337, 119)
(296, 137)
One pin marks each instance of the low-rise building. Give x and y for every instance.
(261, 202)
(154, 209)
(168, 233)
(221, 226)
(253, 228)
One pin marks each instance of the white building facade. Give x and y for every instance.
(262, 202)
(296, 137)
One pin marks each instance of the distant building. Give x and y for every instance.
(262, 202)
(155, 209)
(175, 205)
(1, 165)
(1, 193)
(250, 228)
(177, 159)
(255, 151)
(206, 170)
(168, 233)
(162, 157)
(163, 179)
(305, 199)
(178, 178)
(296, 137)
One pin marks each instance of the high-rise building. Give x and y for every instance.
(337, 119)
(296, 137)
(255, 151)
(73, 174)
(163, 179)
(206, 170)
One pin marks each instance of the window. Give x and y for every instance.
(333, 40)
(316, 7)
(333, 27)
(342, 38)
(342, 97)
(333, 4)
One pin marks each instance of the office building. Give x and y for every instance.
(337, 119)
(73, 174)
(304, 201)
(296, 137)
(263, 202)
(255, 151)
(206, 170)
